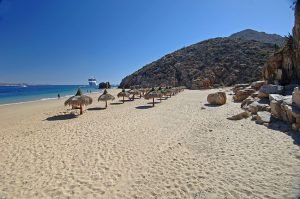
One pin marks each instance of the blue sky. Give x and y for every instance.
(68, 41)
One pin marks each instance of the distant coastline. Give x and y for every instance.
(13, 84)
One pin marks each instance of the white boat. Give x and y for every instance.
(92, 82)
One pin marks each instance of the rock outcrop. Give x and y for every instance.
(256, 107)
(282, 108)
(277, 105)
(104, 85)
(243, 94)
(257, 85)
(284, 66)
(263, 117)
(243, 91)
(211, 63)
(280, 92)
(296, 97)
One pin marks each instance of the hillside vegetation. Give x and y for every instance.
(214, 62)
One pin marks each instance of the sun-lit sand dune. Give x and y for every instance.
(175, 150)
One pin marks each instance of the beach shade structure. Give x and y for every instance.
(142, 92)
(165, 91)
(161, 90)
(123, 94)
(152, 94)
(79, 101)
(168, 92)
(134, 92)
(175, 90)
(181, 88)
(106, 97)
(147, 90)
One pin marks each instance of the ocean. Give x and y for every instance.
(18, 94)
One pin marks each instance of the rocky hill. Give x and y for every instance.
(214, 62)
(249, 34)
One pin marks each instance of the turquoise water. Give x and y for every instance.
(17, 94)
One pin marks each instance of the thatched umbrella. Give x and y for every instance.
(162, 91)
(175, 90)
(105, 97)
(134, 92)
(165, 92)
(153, 94)
(168, 92)
(123, 94)
(142, 92)
(181, 88)
(79, 100)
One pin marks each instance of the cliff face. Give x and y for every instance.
(284, 66)
(214, 62)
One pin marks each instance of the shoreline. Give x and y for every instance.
(99, 92)
(45, 99)
(32, 101)
(52, 98)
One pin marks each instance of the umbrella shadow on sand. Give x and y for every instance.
(152, 102)
(127, 100)
(96, 109)
(62, 117)
(116, 103)
(143, 107)
(120, 102)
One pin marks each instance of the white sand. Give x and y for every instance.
(175, 150)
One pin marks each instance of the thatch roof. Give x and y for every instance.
(134, 92)
(153, 94)
(168, 91)
(82, 100)
(105, 96)
(143, 90)
(123, 93)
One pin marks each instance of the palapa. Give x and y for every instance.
(152, 94)
(134, 92)
(142, 92)
(79, 101)
(123, 94)
(106, 97)
(168, 92)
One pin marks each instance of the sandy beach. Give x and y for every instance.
(175, 150)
